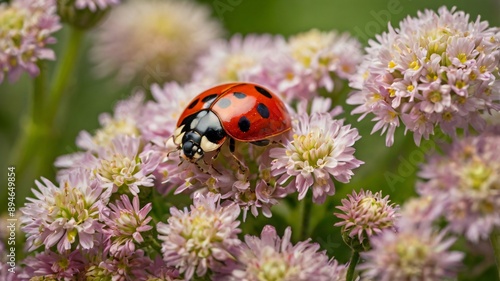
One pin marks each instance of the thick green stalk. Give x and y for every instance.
(39, 92)
(58, 89)
(62, 73)
(306, 217)
(352, 266)
(495, 242)
(31, 124)
(32, 131)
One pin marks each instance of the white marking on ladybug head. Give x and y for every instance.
(197, 156)
(194, 122)
(170, 144)
(208, 146)
(178, 134)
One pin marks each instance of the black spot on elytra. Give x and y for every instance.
(209, 98)
(244, 124)
(224, 103)
(193, 104)
(263, 91)
(263, 110)
(239, 95)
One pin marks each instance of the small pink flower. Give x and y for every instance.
(120, 166)
(365, 214)
(200, 239)
(65, 214)
(54, 266)
(124, 223)
(319, 150)
(415, 252)
(131, 267)
(270, 257)
(463, 182)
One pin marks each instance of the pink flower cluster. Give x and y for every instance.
(462, 185)
(435, 70)
(85, 234)
(27, 31)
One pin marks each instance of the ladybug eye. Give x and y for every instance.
(199, 150)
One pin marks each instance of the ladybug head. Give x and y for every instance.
(191, 146)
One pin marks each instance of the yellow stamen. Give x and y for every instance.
(435, 97)
(462, 57)
(392, 93)
(415, 65)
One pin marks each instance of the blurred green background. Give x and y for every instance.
(92, 96)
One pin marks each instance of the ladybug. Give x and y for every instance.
(243, 112)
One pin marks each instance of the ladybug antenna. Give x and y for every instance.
(171, 147)
(212, 166)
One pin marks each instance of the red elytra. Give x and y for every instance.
(266, 114)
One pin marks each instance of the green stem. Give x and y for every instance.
(153, 243)
(306, 217)
(62, 73)
(31, 124)
(352, 266)
(495, 242)
(58, 89)
(39, 94)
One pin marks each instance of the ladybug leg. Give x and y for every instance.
(211, 164)
(232, 146)
(216, 154)
(200, 168)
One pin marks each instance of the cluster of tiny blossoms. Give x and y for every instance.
(27, 31)
(414, 252)
(435, 70)
(84, 233)
(270, 257)
(464, 183)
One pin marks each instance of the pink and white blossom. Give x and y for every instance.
(434, 70)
